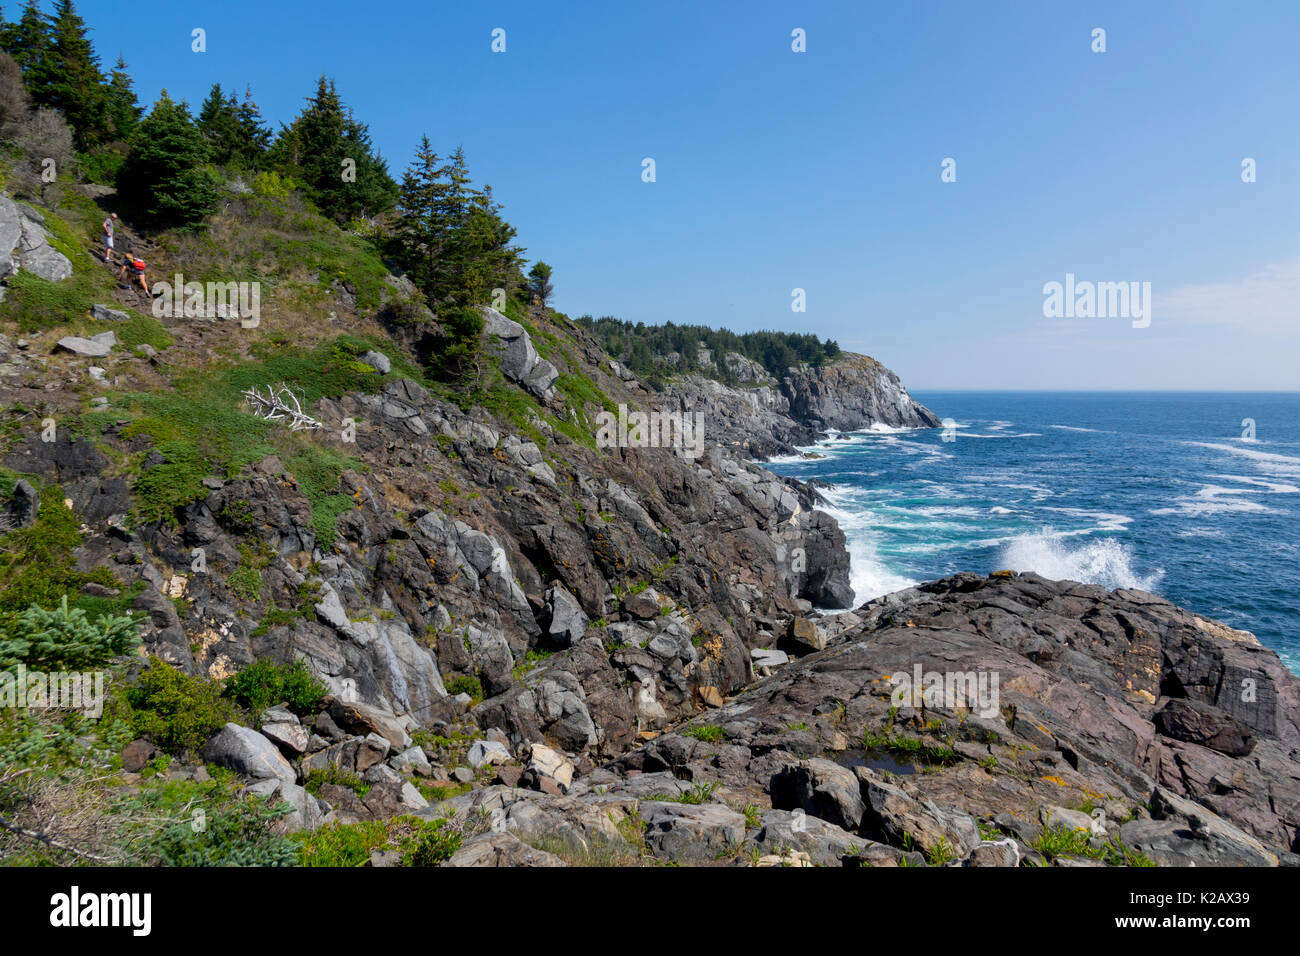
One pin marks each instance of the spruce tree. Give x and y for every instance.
(164, 179)
(124, 110)
(27, 40)
(254, 133)
(68, 78)
(419, 233)
(540, 282)
(218, 120)
(331, 153)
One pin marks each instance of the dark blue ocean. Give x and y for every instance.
(1161, 491)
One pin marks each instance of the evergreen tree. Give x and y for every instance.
(234, 131)
(255, 134)
(540, 282)
(419, 232)
(68, 78)
(124, 110)
(28, 40)
(218, 120)
(164, 178)
(331, 153)
(450, 237)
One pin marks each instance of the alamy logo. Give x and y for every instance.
(74, 909)
(35, 690)
(1098, 300)
(680, 430)
(976, 691)
(215, 300)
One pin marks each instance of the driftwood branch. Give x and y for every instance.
(280, 403)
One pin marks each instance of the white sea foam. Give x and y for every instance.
(1073, 428)
(1106, 521)
(1103, 561)
(868, 575)
(1226, 499)
(1285, 466)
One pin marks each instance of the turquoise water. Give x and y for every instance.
(1159, 491)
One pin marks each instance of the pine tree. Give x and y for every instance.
(163, 178)
(420, 233)
(234, 131)
(540, 282)
(68, 78)
(218, 120)
(324, 147)
(124, 110)
(28, 40)
(255, 135)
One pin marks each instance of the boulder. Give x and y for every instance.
(245, 751)
(565, 621)
(689, 832)
(484, 752)
(821, 788)
(97, 346)
(104, 313)
(358, 718)
(518, 358)
(545, 762)
(136, 755)
(500, 849)
(378, 361)
(805, 636)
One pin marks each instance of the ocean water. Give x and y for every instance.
(1160, 491)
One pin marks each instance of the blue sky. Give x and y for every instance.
(821, 170)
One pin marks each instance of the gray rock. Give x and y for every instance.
(500, 849)
(825, 844)
(308, 812)
(378, 361)
(90, 348)
(768, 657)
(1173, 843)
(680, 831)
(821, 788)
(105, 314)
(518, 358)
(413, 761)
(566, 621)
(287, 735)
(245, 751)
(483, 752)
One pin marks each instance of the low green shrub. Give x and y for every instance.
(264, 684)
(177, 711)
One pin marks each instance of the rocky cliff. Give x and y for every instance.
(763, 417)
(610, 653)
(852, 393)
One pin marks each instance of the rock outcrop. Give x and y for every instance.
(764, 417)
(851, 393)
(25, 244)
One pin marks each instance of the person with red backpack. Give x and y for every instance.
(136, 265)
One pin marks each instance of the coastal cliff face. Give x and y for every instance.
(764, 417)
(854, 392)
(603, 652)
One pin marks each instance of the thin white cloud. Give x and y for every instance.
(1268, 299)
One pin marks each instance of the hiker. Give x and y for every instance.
(109, 224)
(136, 265)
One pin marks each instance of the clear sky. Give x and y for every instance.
(821, 170)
